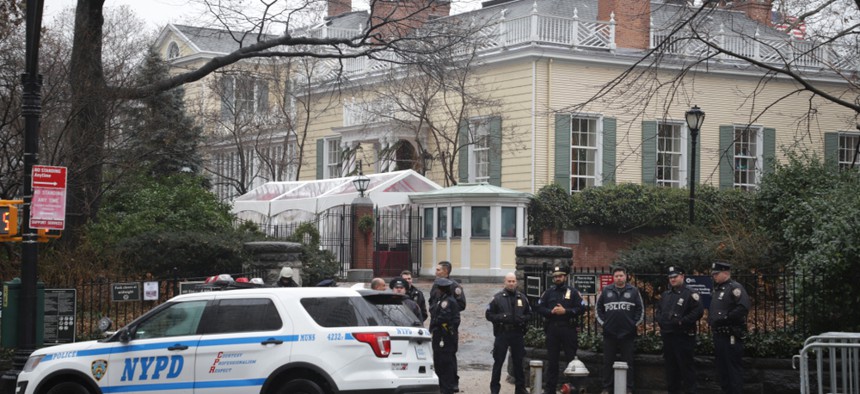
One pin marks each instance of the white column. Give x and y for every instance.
(466, 241)
(495, 240)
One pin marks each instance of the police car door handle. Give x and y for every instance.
(272, 341)
(178, 346)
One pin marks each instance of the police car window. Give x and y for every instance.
(393, 311)
(178, 319)
(244, 315)
(332, 311)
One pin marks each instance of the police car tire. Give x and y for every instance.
(68, 388)
(301, 386)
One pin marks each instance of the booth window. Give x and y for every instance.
(480, 221)
(456, 222)
(509, 222)
(443, 222)
(428, 222)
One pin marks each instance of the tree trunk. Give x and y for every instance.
(86, 137)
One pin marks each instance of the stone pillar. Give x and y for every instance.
(362, 249)
(536, 255)
(272, 256)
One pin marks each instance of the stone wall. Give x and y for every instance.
(761, 376)
(272, 256)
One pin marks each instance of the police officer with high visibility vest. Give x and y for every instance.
(444, 323)
(560, 304)
(678, 312)
(727, 316)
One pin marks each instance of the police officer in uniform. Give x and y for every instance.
(619, 311)
(444, 322)
(560, 304)
(398, 286)
(509, 311)
(728, 319)
(415, 294)
(678, 312)
(443, 270)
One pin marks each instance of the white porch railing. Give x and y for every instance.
(554, 30)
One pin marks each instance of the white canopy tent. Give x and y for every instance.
(277, 203)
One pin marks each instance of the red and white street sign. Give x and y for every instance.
(48, 209)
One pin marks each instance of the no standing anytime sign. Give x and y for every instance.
(48, 209)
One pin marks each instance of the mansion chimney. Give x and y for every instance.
(338, 7)
(757, 10)
(398, 18)
(632, 21)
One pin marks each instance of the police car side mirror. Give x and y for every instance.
(124, 335)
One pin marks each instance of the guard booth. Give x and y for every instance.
(475, 226)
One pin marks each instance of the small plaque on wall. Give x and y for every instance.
(571, 237)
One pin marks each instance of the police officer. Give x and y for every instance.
(444, 322)
(677, 313)
(509, 311)
(619, 311)
(728, 319)
(443, 270)
(415, 294)
(398, 286)
(560, 304)
(285, 279)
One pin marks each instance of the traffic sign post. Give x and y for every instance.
(48, 210)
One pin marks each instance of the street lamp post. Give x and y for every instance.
(695, 117)
(360, 182)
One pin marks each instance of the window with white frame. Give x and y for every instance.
(333, 164)
(847, 149)
(259, 165)
(584, 152)
(479, 151)
(748, 154)
(671, 149)
(243, 95)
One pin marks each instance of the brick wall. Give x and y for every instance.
(597, 247)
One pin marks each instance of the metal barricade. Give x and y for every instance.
(837, 363)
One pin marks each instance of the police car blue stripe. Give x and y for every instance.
(184, 386)
(164, 345)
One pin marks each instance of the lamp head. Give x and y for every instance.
(695, 117)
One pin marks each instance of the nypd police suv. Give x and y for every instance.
(261, 340)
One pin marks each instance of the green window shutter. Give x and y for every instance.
(320, 158)
(769, 149)
(463, 159)
(609, 145)
(727, 157)
(227, 99)
(649, 153)
(562, 151)
(831, 149)
(495, 170)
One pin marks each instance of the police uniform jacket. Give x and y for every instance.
(445, 315)
(619, 311)
(418, 296)
(729, 306)
(456, 291)
(678, 311)
(570, 300)
(508, 311)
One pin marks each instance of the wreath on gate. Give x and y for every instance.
(366, 223)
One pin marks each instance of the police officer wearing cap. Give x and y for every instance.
(444, 322)
(560, 304)
(509, 311)
(678, 312)
(727, 316)
(398, 286)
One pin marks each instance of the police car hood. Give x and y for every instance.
(65, 349)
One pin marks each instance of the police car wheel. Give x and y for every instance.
(68, 388)
(301, 386)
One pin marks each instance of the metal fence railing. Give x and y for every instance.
(773, 296)
(836, 356)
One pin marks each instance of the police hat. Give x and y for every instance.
(719, 266)
(674, 271)
(397, 282)
(443, 282)
(559, 271)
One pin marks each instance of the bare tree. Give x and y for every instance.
(387, 30)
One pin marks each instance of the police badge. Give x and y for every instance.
(736, 292)
(444, 304)
(99, 368)
(696, 296)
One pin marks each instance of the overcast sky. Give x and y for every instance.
(160, 12)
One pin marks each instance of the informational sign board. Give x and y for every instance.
(150, 291)
(533, 286)
(701, 284)
(586, 284)
(60, 315)
(193, 287)
(48, 210)
(606, 280)
(125, 291)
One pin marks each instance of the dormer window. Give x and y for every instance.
(172, 51)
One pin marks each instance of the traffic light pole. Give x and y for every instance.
(31, 109)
